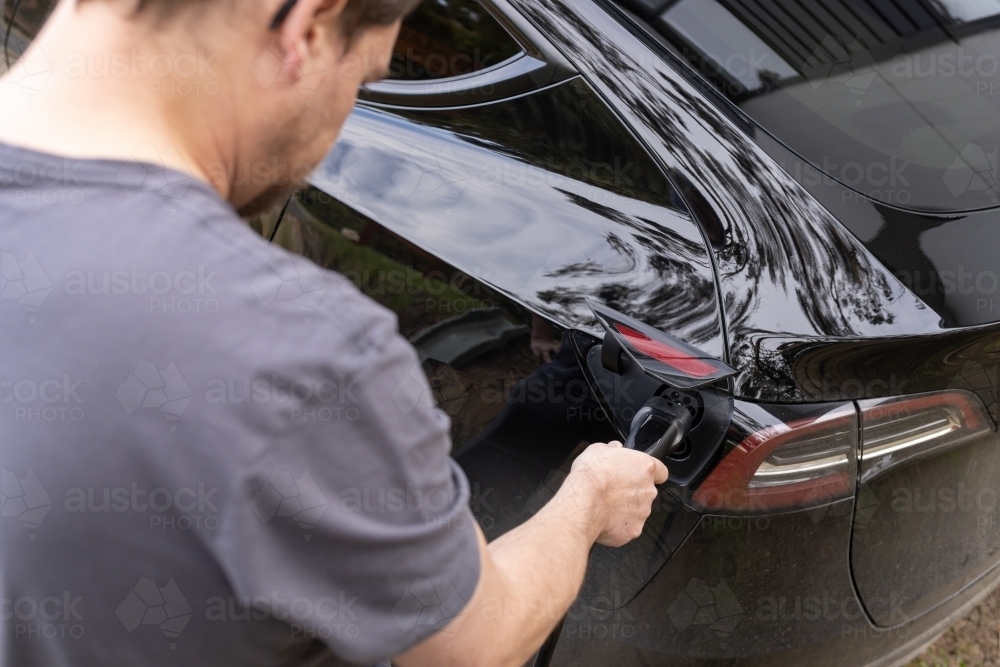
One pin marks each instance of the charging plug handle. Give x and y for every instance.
(659, 427)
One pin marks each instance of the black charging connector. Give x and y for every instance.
(659, 427)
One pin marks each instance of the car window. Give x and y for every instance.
(448, 38)
(20, 23)
(896, 100)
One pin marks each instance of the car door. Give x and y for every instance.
(486, 213)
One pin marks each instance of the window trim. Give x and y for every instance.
(539, 65)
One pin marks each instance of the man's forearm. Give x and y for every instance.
(531, 575)
(529, 578)
(542, 563)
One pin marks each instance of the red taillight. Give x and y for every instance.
(802, 462)
(783, 464)
(668, 354)
(898, 431)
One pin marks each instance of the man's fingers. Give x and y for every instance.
(615, 443)
(662, 474)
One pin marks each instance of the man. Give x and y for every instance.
(162, 502)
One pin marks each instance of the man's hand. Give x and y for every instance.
(622, 483)
(544, 349)
(534, 572)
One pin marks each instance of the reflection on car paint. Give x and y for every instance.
(577, 210)
(786, 265)
(950, 261)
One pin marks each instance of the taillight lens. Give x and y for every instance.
(898, 431)
(784, 463)
(779, 458)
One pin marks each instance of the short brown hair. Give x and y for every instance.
(358, 14)
(361, 14)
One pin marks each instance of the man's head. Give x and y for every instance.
(269, 83)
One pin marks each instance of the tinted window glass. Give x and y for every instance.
(27, 21)
(446, 38)
(566, 130)
(899, 100)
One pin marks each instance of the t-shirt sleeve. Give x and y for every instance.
(356, 516)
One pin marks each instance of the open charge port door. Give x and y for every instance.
(624, 395)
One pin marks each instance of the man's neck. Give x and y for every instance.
(67, 97)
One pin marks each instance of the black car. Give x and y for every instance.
(779, 217)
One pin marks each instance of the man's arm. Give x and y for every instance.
(530, 576)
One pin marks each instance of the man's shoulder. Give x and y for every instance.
(256, 300)
(271, 283)
(295, 294)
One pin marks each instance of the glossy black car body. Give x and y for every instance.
(486, 201)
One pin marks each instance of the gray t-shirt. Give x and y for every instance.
(212, 452)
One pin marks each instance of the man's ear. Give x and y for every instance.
(307, 20)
